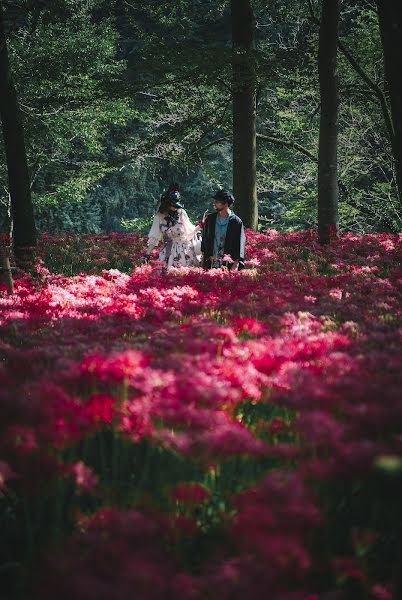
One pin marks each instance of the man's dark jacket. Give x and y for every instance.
(234, 243)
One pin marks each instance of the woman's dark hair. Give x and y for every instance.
(165, 203)
(170, 199)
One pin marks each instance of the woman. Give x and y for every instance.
(178, 235)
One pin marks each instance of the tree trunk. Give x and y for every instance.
(5, 269)
(390, 19)
(328, 144)
(244, 112)
(24, 231)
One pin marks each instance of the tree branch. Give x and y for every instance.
(287, 144)
(267, 138)
(378, 92)
(214, 143)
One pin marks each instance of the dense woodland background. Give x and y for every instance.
(120, 98)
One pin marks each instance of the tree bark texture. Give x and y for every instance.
(24, 230)
(390, 19)
(244, 112)
(329, 123)
(5, 269)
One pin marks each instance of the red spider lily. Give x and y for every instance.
(381, 592)
(349, 568)
(191, 363)
(190, 493)
(5, 473)
(83, 476)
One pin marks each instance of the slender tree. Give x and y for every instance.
(244, 112)
(5, 269)
(390, 19)
(24, 231)
(329, 122)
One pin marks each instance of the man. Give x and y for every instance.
(223, 235)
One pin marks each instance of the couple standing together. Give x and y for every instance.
(223, 238)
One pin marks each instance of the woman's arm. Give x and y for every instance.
(189, 229)
(201, 224)
(154, 235)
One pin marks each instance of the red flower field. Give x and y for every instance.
(203, 435)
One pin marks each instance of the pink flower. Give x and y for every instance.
(183, 525)
(320, 428)
(249, 325)
(380, 592)
(5, 473)
(276, 425)
(115, 367)
(99, 408)
(349, 568)
(363, 540)
(191, 493)
(84, 476)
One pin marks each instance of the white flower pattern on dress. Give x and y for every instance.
(179, 240)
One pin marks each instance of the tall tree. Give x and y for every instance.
(329, 122)
(24, 230)
(390, 18)
(244, 112)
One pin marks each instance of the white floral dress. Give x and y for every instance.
(179, 240)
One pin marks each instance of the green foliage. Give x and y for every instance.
(65, 72)
(121, 98)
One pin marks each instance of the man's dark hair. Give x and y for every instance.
(225, 197)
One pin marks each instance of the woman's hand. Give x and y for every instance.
(201, 224)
